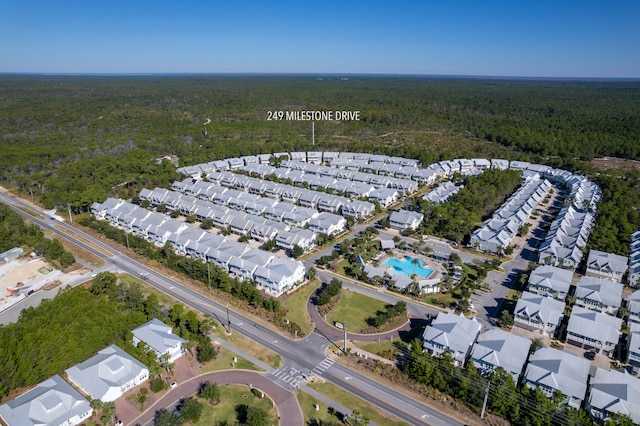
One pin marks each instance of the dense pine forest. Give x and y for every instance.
(78, 139)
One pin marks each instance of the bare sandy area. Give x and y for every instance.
(25, 270)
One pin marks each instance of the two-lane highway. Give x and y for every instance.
(307, 354)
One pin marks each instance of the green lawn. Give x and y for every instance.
(354, 308)
(347, 400)
(377, 348)
(224, 362)
(296, 305)
(230, 396)
(258, 351)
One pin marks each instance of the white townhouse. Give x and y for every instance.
(327, 223)
(279, 276)
(606, 265)
(633, 344)
(613, 392)
(109, 374)
(451, 333)
(51, 402)
(554, 370)
(599, 294)
(633, 306)
(550, 281)
(498, 348)
(593, 330)
(538, 313)
(358, 209)
(404, 219)
(159, 337)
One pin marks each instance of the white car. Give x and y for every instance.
(173, 385)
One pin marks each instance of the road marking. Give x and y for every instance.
(425, 416)
(348, 378)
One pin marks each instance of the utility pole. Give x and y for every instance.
(69, 207)
(345, 337)
(209, 275)
(486, 396)
(228, 320)
(126, 234)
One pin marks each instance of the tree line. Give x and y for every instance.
(15, 232)
(465, 210)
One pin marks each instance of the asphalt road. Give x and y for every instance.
(305, 354)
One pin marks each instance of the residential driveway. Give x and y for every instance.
(289, 411)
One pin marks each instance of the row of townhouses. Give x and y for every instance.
(634, 260)
(551, 370)
(496, 233)
(442, 192)
(592, 323)
(105, 377)
(570, 230)
(273, 274)
(262, 219)
(255, 195)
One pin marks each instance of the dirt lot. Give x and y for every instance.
(615, 163)
(21, 270)
(30, 272)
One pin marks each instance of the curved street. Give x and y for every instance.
(289, 412)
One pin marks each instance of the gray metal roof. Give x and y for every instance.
(109, 369)
(51, 402)
(559, 370)
(157, 335)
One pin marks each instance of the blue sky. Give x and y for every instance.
(560, 38)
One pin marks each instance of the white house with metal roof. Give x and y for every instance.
(633, 344)
(109, 374)
(613, 392)
(404, 219)
(159, 337)
(554, 370)
(51, 402)
(279, 276)
(451, 333)
(547, 280)
(593, 330)
(606, 265)
(599, 294)
(538, 313)
(498, 348)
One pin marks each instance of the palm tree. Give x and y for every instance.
(415, 262)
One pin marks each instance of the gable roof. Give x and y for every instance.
(110, 368)
(157, 335)
(548, 310)
(52, 401)
(454, 332)
(499, 348)
(615, 392)
(594, 325)
(559, 370)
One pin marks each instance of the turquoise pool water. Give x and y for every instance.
(406, 267)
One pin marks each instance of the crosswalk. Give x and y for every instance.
(290, 376)
(322, 366)
(293, 376)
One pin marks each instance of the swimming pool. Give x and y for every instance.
(406, 267)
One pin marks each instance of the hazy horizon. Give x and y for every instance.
(544, 39)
